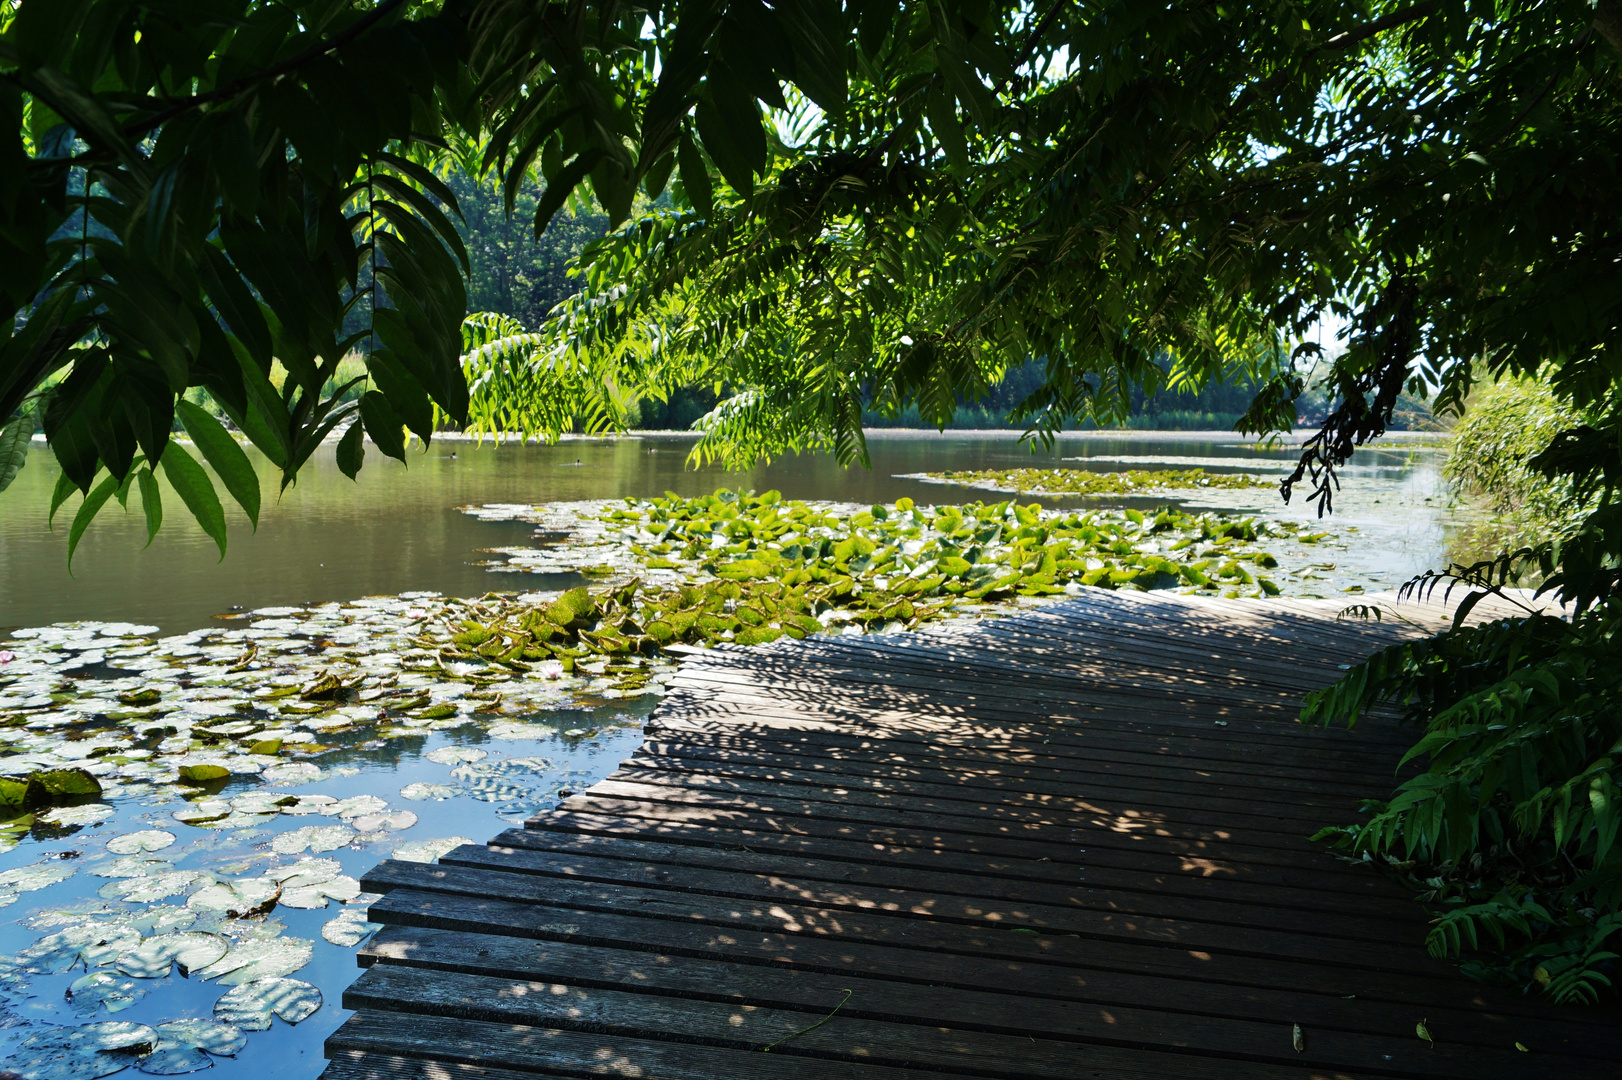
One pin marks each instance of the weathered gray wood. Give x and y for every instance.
(1069, 843)
(1169, 1004)
(733, 872)
(1114, 1037)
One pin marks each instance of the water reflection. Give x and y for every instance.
(397, 529)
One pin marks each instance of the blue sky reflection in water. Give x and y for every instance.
(399, 530)
(601, 739)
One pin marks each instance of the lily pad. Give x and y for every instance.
(88, 993)
(35, 876)
(316, 838)
(293, 772)
(453, 755)
(312, 882)
(145, 840)
(145, 889)
(305, 805)
(81, 1053)
(90, 944)
(422, 792)
(202, 774)
(251, 1005)
(191, 949)
(77, 815)
(350, 928)
(185, 1046)
(129, 866)
(356, 806)
(426, 851)
(237, 899)
(259, 960)
(202, 812)
(397, 820)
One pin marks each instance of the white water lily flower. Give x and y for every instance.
(252, 1004)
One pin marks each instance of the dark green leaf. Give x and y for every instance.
(196, 490)
(151, 502)
(64, 487)
(352, 450)
(222, 452)
(948, 131)
(383, 424)
(557, 191)
(14, 440)
(88, 509)
(695, 178)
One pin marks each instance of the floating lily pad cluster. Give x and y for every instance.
(748, 568)
(93, 710)
(1084, 482)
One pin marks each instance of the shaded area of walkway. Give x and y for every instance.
(1066, 844)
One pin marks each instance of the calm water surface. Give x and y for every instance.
(398, 530)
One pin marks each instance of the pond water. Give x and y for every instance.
(399, 530)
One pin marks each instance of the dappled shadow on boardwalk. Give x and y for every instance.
(1068, 843)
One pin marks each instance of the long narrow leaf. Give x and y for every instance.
(88, 509)
(14, 440)
(151, 503)
(222, 452)
(196, 490)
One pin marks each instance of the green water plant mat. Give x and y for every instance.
(1085, 482)
(266, 694)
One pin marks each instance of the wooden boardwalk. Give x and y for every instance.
(1067, 844)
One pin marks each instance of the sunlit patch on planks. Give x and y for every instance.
(1066, 844)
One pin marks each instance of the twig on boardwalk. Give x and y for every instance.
(795, 1035)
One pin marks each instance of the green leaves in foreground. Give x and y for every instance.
(14, 440)
(186, 476)
(1509, 834)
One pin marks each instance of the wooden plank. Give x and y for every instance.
(1002, 790)
(1360, 1034)
(881, 808)
(1194, 880)
(1068, 843)
(1205, 976)
(848, 1038)
(706, 869)
(1290, 886)
(1258, 929)
(895, 930)
(532, 1051)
